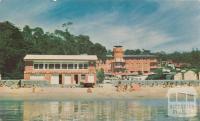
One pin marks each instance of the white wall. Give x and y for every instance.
(55, 79)
(67, 79)
(190, 75)
(37, 77)
(178, 76)
(91, 78)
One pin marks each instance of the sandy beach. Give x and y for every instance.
(106, 92)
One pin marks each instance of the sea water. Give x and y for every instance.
(88, 110)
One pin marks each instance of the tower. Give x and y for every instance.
(118, 53)
(118, 64)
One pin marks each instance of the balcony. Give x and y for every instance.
(119, 60)
(154, 67)
(119, 66)
(59, 71)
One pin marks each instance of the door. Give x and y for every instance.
(90, 78)
(55, 79)
(60, 79)
(76, 79)
(67, 79)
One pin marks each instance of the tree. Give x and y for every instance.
(16, 43)
(158, 75)
(137, 52)
(100, 75)
(12, 50)
(109, 52)
(83, 44)
(146, 52)
(99, 50)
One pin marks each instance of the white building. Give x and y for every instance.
(61, 69)
(178, 76)
(190, 75)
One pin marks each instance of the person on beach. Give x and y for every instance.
(135, 87)
(125, 87)
(89, 90)
(34, 88)
(19, 83)
(131, 87)
(119, 86)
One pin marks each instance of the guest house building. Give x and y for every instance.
(124, 65)
(61, 69)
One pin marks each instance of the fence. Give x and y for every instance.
(33, 83)
(9, 83)
(43, 83)
(159, 82)
(23, 83)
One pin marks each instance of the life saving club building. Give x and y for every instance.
(61, 69)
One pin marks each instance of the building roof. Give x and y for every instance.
(60, 57)
(139, 56)
(118, 46)
(135, 56)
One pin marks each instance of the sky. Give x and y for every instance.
(157, 25)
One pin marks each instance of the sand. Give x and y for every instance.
(98, 93)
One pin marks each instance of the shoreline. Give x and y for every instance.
(105, 93)
(80, 93)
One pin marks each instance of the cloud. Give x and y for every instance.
(174, 26)
(102, 30)
(24, 12)
(167, 25)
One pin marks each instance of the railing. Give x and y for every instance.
(34, 83)
(119, 66)
(159, 82)
(149, 83)
(9, 83)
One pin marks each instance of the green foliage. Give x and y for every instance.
(158, 75)
(98, 50)
(109, 52)
(191, 59)
(12, 50)
(100, 75)
(137, 52)
(15, 44)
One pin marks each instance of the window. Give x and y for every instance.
(80, 66)
(152, 64)
(70, 66)
(51, 66)
(57, 66)
(36, 66)
(85, 66)
(75, 107)
(64, 66)
(46, 66)
(118, 64)
(75, 66)
(40, 66)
